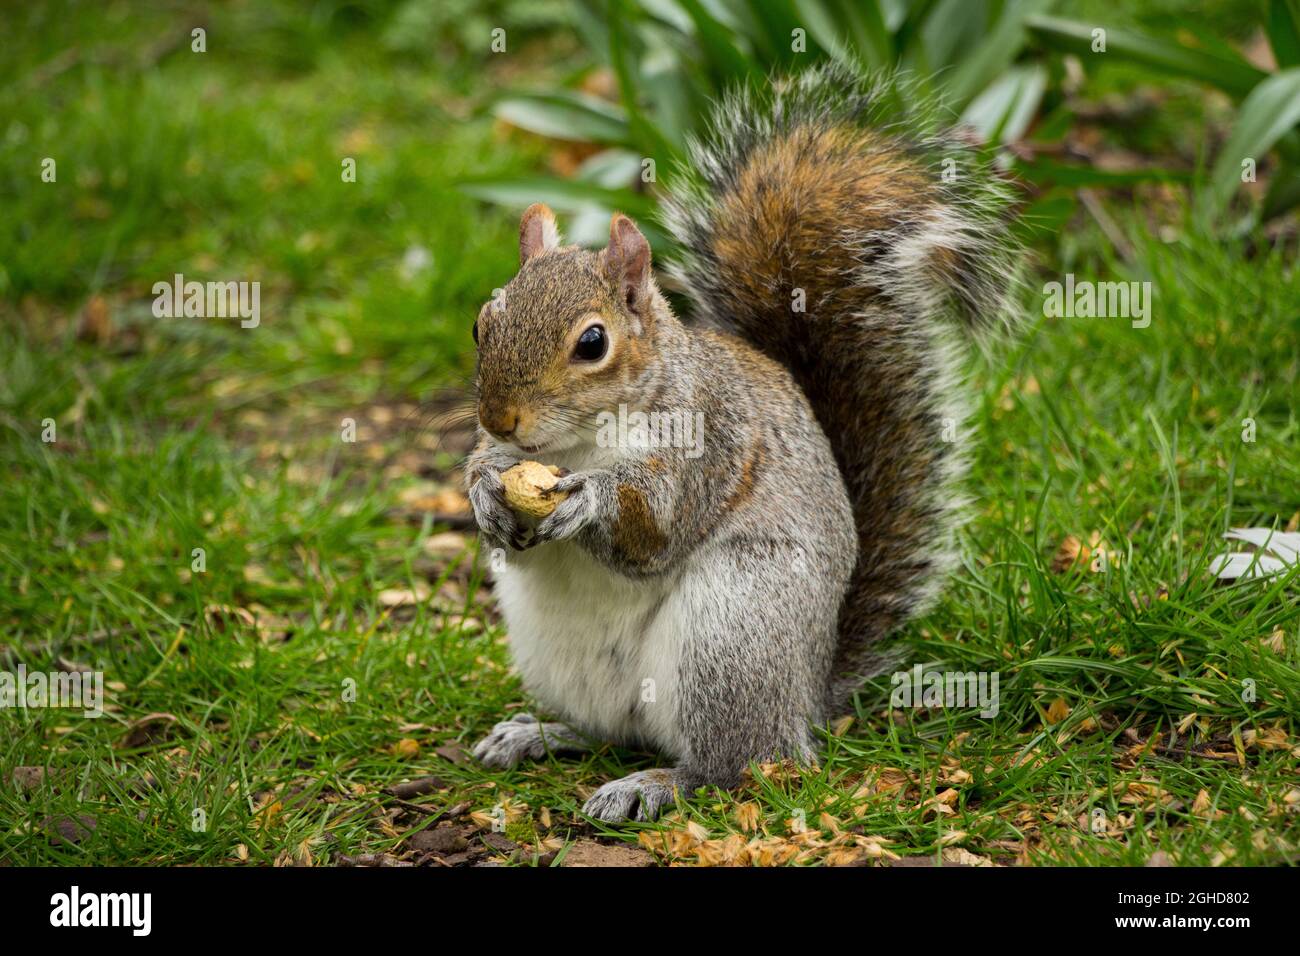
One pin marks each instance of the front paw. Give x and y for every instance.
(513, 740)
(575, 512)
(496, 521)
(639, 796)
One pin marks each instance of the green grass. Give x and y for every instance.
(183, 434)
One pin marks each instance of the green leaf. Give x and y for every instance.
(612, 169)
(645, 135)
(1004, 111)
(822, 25)
(866, 26)
(1283, 192)
(771, 24)
(1055, 126)
(909, 40)
(564, 195)
(565, 115)
(673, 93)
(588, 207)
(1283, 26)
(1043, 171)
(670, 12)
(947, 27)
(849, 30)
(590, 227)
(1234, 76)
(589, 23)
(1267, 114)
(993, 53)
(724, 61)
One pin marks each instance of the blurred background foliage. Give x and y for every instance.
(226, 163)
(1007, 68)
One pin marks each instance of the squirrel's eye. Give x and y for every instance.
(474, 332)
(592, 344)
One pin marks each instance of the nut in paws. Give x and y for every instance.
(572, 514)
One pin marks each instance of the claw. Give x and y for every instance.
(639, 796)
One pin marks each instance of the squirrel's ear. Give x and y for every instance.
(537, 232)
(627, 262)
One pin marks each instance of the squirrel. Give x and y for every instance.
(717, 604)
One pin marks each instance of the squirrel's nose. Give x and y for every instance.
(500, 422)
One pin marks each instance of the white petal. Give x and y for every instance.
(1283, 544)
(1239, 564)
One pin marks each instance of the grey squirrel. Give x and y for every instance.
(717, 604)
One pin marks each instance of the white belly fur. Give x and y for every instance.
(587, 641)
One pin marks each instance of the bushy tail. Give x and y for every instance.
(833, 224)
